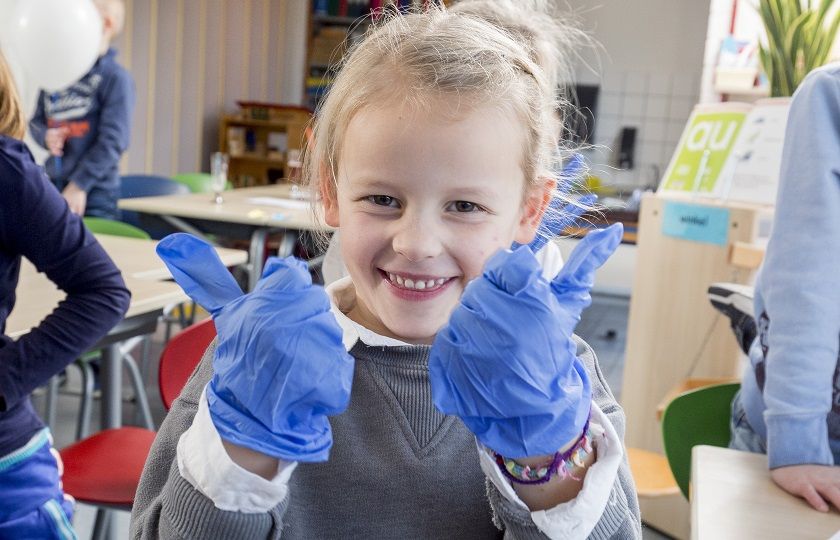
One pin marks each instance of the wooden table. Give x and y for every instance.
(245, 213)
(733, 496)
(143, 272)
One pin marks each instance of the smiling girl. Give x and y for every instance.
(460, 404)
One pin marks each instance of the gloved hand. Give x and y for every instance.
(506, 363)
(559, 216)
(280, 366)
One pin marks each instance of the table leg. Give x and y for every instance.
(111, 384)
(287, 244)
(256, 252)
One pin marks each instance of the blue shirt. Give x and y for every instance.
(36, 223)
(97, 111)
(791, 393)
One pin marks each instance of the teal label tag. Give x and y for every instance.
(706, 224)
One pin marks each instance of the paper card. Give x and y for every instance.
(757, 154)
(705, 224)
(700, 160)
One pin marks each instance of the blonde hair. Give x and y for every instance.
(511, 57)
(12, 121)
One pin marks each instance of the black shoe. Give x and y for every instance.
(736, 302)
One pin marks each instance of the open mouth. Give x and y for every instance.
(415, 283)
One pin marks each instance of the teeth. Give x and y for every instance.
(416, 285)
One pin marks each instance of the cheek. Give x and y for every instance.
(479, 247)
(361, 238)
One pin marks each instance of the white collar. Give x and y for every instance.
(342, 295)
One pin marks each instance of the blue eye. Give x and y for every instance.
(384, 200)
(465, 207)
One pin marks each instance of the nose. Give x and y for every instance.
(417, 237)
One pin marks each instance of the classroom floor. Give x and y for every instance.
(603, 325)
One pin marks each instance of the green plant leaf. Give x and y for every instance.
(829, 36)
(825, 5)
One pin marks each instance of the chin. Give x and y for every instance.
(422, 334)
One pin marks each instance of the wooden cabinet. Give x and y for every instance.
(264, 142)
(334, 25)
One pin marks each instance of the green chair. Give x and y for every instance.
(198, 182)
(114, 228)
(696, 417)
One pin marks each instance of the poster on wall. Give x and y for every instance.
(757, 155)
(730, 151)
(701, 160)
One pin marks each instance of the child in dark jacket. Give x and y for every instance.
(86, 127)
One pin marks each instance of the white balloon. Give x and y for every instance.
(54, 42)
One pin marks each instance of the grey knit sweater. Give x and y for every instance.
(398, 468)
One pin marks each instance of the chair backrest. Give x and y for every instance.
(695, 417)
(114, 228)
(198, 182)
(139, 185)
(147, 185)
(180, 358)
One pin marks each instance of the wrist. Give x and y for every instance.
(564, 463)
(252, 461)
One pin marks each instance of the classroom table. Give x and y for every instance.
(143, 273)
(245, 213)
(733, 496)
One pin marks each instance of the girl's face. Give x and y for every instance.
(422, 200)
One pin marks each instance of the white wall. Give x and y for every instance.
(649, 70)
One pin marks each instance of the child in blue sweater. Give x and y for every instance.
(86, 127)
(36, 223)
(789, 403)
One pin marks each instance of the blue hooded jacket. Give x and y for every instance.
(97, 111)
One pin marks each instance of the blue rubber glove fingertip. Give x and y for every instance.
(512, 270)
(179, 245)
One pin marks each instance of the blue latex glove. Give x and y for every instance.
(280, 366)
(559, 216)
(506, 363)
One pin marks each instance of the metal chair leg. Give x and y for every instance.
(83, 423)
(101, 527)
(139, 392)
(51, 402)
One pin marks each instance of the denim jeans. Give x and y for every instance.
(742, 435)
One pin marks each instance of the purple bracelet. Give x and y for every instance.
(563, 463)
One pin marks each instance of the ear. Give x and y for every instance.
(536, 201)
(329, 196)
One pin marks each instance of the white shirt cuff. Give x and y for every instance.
(204, 463)
(578, 517)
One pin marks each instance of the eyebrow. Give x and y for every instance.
(375, 183)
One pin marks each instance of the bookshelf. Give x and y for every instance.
(334, 25)
(264, 142)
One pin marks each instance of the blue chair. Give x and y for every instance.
(146, 185)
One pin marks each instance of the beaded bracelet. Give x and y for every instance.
(563, 463)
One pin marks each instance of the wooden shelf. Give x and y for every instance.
(260, 159)
(339, 20)
(250, 165)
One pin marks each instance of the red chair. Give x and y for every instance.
(104, 469)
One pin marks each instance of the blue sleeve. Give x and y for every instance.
(113, 132)
(38, 124)
(36, 223)
(800, 279)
